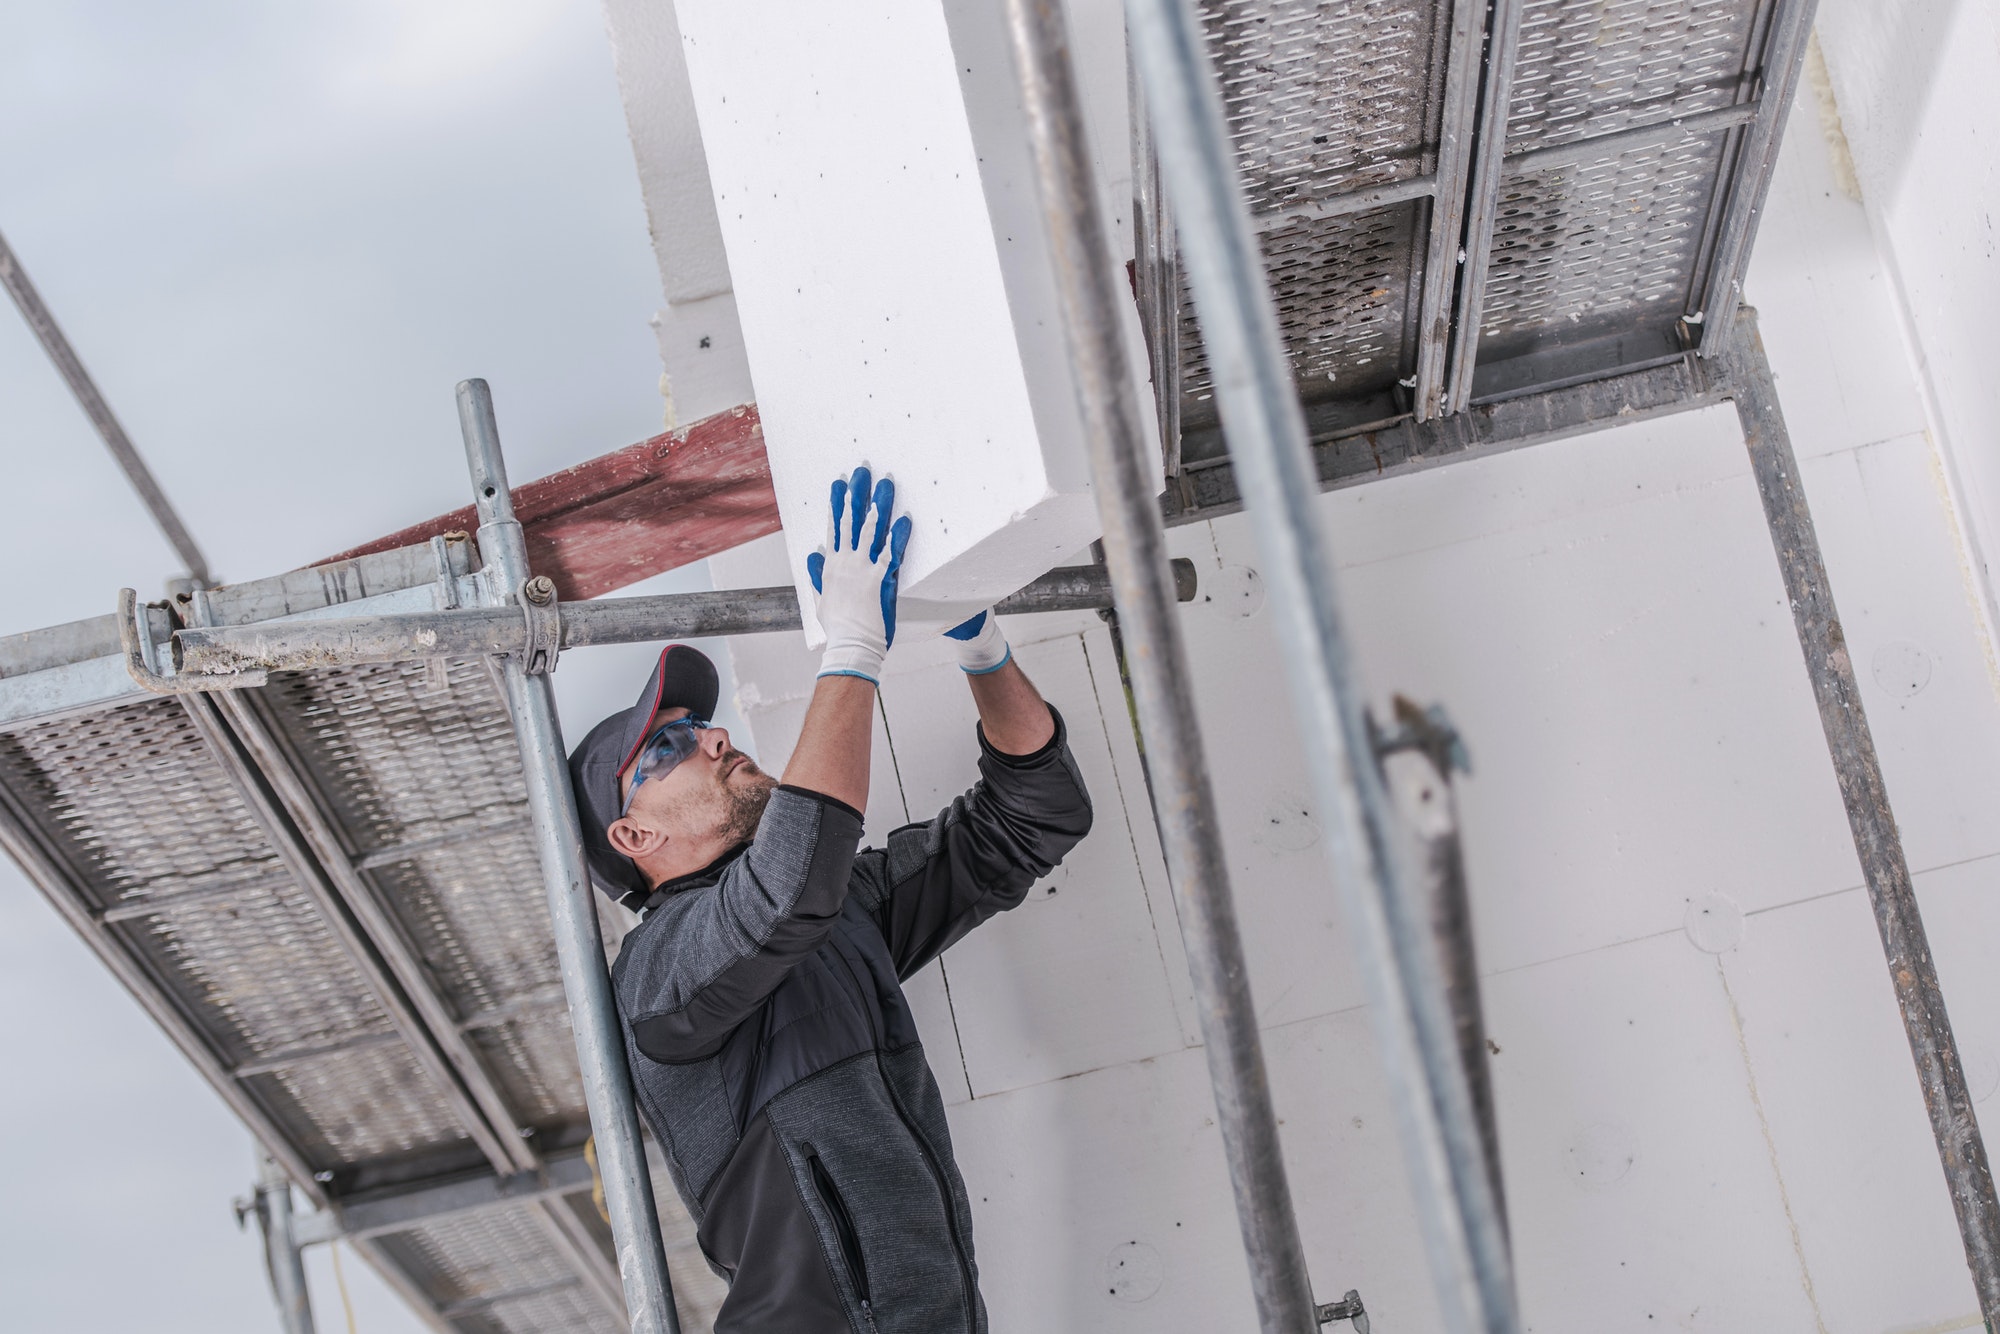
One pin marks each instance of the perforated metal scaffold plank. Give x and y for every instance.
(1536, 192)
(1326, 100)
(160, 827)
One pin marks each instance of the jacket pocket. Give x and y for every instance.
(843, 1225)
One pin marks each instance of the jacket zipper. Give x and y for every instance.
(923, 1145)
(843, 1227)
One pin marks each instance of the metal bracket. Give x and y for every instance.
(137, 643)
(1429, 730)
(1347, 1308)
(538, 602)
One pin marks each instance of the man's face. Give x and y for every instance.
(710, 801)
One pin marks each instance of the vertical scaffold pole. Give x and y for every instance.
(1135, 552)
(1269, 447)
(1856, 768)
(593, 1015)
(281, 1250)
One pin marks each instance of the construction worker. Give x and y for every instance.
(774, 1053)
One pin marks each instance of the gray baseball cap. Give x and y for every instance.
(683, 678)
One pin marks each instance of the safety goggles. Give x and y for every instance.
(669, 744)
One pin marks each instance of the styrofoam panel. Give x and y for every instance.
(1102, 1203)
(1298, 955)
(929, 994)
(1350, 1188)
(1628, 683)
(1840, 1094)
(871, 176)
(1516, 489)
(666, 147)
(1919, 105)
(700, 338)
(1071, 1177)
(1961, 908)
(1639, 1183)
(1907, 607)
(1074, 978)
(701, 348)
(1137, 824)
(1623, 669)
(1827, 305)
(1641, 727)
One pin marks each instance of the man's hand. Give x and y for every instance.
(1011, 711)
(856, 576)
(981, 646)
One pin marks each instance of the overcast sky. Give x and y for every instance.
(277, 236)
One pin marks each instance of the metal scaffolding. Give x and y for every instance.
(356, 771)
(54, 342)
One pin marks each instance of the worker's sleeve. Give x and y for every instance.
(703, 960)
(935, 882)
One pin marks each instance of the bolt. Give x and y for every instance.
(540, 590)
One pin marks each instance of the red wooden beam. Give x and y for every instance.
(653, 506)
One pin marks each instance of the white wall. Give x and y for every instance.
(1919, 108)
(1709, 1129)
(704, 368)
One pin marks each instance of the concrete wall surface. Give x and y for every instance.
(1708, 1115)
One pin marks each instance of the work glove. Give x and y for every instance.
(981, 646)
(855, 576)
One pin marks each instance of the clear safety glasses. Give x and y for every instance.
(669, 744)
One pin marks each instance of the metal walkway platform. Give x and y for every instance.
(1462, 203)
(326, 891)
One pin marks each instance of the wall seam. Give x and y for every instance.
(1770, 1146)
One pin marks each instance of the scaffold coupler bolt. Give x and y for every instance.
(538, 603)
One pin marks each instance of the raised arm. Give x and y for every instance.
(1012, 713)
(934, 882)
(709, 956)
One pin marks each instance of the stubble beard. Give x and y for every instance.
(745, 793)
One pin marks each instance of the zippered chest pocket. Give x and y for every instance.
(843, 1222)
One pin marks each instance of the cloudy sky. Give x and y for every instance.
(277, 235)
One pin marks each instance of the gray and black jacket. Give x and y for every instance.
(779, 1066)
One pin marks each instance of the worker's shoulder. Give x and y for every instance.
(663, 918)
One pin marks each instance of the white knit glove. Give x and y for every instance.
(982, 648)
(856, 574)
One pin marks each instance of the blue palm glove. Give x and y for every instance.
(856, 582)
(981, 646)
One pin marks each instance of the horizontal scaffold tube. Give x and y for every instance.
(472, 632)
